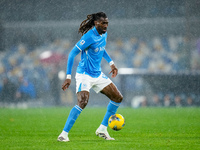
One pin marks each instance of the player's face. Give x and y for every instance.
(101, 25)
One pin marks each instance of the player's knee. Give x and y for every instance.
(118, 98)
(83, 103)
(83, 100)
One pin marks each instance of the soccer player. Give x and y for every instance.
(89, 74)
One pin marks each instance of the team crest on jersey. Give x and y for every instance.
(82, 42)
(97, 49)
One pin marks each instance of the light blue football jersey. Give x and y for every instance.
(92, 47)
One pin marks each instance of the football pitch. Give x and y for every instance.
(145, 128)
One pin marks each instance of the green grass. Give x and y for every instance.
(146, 128)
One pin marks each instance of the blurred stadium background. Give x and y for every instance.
(154, 43)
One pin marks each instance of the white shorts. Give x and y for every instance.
(85, 82)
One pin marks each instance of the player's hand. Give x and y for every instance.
(66, 84)
(114, 70)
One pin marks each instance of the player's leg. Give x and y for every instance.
(111, 91)
(73, 115)
(82, 97)
(115, 97)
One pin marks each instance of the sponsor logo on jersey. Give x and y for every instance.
(99, 49)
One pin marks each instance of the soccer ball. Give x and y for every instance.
(116, 122)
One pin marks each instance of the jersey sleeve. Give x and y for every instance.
(75, 51)
(107, 57)
(84, 42)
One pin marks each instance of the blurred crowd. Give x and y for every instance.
(158, 54)
(172, 99)
(28, 74)
(166, 100)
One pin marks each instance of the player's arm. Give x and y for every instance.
(75, 51)
(114, 69)
(84, 42)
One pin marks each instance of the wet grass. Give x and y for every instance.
(146, 128)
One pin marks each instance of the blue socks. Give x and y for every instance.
(111, 110)
(73, 115)
(76, 110)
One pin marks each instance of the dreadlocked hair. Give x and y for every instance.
(88, 23)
